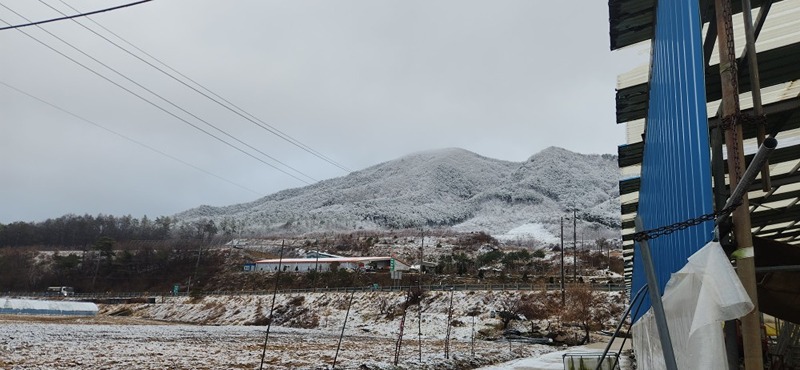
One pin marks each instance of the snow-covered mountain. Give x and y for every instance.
(448, 187)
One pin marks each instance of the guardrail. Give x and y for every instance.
(368, 288)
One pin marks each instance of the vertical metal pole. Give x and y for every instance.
(720, 196)
(563, 297)
(755, 83)
(751, 323)
(655, 300)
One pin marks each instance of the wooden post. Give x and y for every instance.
(751, 323)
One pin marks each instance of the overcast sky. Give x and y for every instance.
(361, 82)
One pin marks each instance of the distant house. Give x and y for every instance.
(327, 263)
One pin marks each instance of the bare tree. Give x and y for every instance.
(537, 306)
(586, 307)
(508, 310)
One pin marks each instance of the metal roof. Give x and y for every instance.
(777, 45)
(632, 21)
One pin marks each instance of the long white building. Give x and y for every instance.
(326, 264)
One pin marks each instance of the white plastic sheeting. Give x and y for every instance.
(40, 307)
(697, 299)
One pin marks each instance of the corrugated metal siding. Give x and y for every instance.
(676, 176)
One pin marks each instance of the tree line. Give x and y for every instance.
(83, 231)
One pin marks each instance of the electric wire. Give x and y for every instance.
(216, 97)
(160, 107)
(164, 109)
(168, 101)
(71, 16)
(137, 142)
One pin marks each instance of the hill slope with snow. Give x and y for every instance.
(442, 188)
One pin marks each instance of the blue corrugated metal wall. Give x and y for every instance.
(676, 175)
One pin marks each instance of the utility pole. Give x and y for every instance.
(563, 298)
(316, 270)
(574, 245)
(745, 265)
(419, 311)
(272, 306)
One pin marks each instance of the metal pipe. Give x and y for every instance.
(625, 338)
(655, 300)
(619, 326)
(750, 174)
(778, 268)
(755, 83)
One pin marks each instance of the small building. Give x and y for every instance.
(328, 263)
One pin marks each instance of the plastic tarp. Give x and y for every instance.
(697, 299)
(41, 307)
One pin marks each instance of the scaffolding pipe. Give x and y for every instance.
(755, 83)
(619, 326)
(655, 300)
(761, 157)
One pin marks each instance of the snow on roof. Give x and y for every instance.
(325, 260)
(331, 255)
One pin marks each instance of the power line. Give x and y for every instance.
(238, 111)
(160, 107)
(71, 16)
(128, 138)
(167, 100)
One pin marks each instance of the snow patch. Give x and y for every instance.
(529, 231)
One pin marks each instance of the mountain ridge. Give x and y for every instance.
(450, 187)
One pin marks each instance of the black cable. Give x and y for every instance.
(241, 112)
(71, 16)
(159, 107)
(128, 138)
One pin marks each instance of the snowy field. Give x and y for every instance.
(113, 343)
(227, 332)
